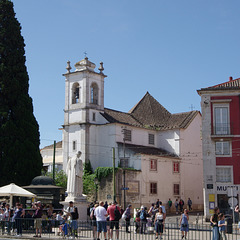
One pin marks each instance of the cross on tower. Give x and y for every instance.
(85, 53)
(192, 107)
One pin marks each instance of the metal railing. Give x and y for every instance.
(222, 129)
(87, 230)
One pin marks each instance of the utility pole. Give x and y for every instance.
(54, 153)
(114, 178)
(124, 171)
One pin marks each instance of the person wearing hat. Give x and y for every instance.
(128, 217)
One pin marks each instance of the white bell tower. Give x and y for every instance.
(84, 103)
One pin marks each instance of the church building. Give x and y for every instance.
(163, 149)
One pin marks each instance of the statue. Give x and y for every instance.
(74, 172)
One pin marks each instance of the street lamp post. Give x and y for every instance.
(124, 171)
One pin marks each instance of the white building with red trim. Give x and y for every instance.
(221, 145)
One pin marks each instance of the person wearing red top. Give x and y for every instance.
(114, 220)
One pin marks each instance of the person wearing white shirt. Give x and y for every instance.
(59, 218)
(101, 215)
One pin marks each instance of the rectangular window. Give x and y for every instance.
(74, 145)
(223, 174)
(124, 162)
(94, 117)
(176, 189)
(222, 148)
(153, 188)
(127, 135)
(153, 165)
(151, 139)
(176, 167)
(221, 120)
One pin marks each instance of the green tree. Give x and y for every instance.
(89, 187)
(60, 178)
(20, 158)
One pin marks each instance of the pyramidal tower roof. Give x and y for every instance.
(149, 111)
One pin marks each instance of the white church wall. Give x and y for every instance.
(139, 135)
(169, 140)
(99, 119)
(77, 135)
(102, 139)
(75, 116)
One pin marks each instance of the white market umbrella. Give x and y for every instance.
(14, 190)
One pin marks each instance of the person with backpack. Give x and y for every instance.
(114, 213)
(73, 217)
(128, 217)
(93, 220)
(143, 220)
(137, 221)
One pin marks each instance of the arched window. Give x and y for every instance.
(94, 93)
(75, 93)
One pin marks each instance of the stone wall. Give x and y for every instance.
(132, 178)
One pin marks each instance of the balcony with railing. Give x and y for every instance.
(223, 129)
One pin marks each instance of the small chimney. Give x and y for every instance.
(230, 79)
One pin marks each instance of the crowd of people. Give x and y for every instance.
(39, 218)
(108, 216)
(105, 217)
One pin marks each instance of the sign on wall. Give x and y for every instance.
(211, 198)
(133, 187)
(228, 189)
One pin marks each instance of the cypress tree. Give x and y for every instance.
(20, 158)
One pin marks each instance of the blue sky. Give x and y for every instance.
(170, 48)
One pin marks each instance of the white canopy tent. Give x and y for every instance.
(14, 190)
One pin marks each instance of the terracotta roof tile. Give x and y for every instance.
(120, 117)
(229, 85)
(149, 113)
